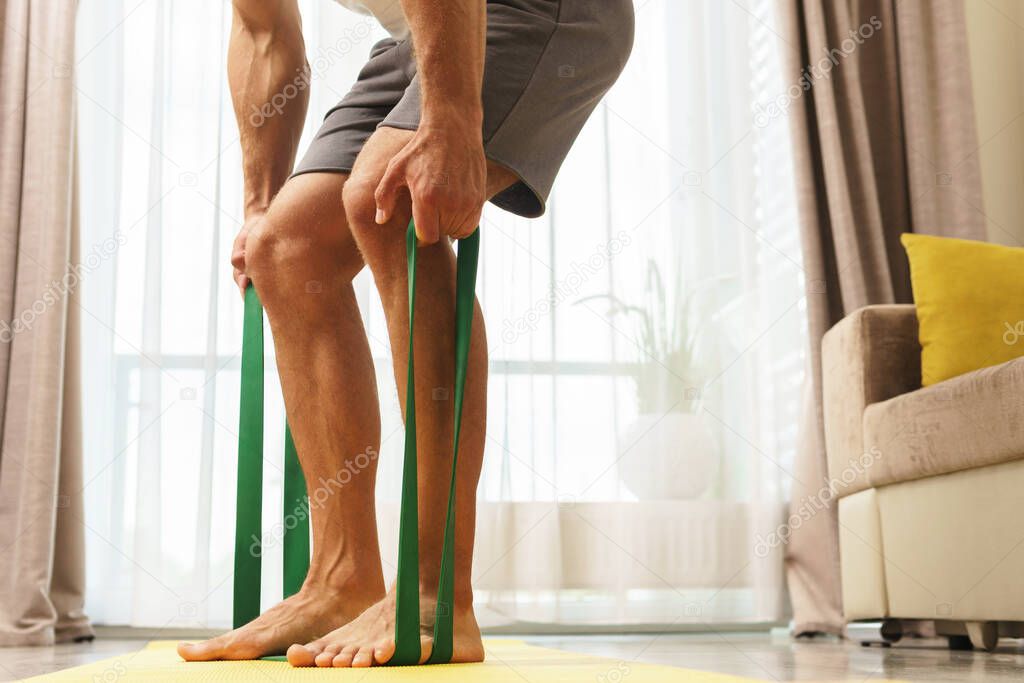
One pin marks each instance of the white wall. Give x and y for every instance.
(995, 34)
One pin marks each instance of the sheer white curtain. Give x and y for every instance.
(645, 335)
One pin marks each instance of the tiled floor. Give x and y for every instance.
(767, 656)
(777, 657)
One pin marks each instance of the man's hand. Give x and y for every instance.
(444, 168)
(238, 252)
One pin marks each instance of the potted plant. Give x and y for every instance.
(669, 451)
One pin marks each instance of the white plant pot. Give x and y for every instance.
(668, 456)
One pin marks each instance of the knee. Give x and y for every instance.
(285, 255)
(264, 251)
(379, 244)
(271, 249)
(361, 208)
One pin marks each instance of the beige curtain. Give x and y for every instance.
(41, 533)
(883, 129)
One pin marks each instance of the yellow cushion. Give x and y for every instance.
(970, 304)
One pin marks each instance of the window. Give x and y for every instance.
(624, 481)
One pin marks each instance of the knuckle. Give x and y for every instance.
(429, 194)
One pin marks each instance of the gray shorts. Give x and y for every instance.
(548, 63)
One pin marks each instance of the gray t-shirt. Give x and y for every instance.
(388, 12)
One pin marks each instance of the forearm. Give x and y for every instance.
(449, 38)
(266, 65)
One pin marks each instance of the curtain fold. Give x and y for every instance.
(41, 534)
(884, 143)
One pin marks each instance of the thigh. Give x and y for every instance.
(386, 142)
(382, 245)
(347, 126)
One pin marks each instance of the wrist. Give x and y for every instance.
(260, 188)
(467, 114)
(254, 211)
(256, 199)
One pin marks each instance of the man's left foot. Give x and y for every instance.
(369, 640)
(313, 610)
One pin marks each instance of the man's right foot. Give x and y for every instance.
(370, 639)
(310, 613)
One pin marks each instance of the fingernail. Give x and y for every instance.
(380, 216)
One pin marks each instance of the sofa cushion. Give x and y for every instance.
(971, 420)
(970, 304)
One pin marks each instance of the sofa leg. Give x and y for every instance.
(959, 643)
(984, 635)
(883, 633)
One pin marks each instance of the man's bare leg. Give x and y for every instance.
(370, 638)
(301, 259)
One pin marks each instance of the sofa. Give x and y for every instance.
(929, 485)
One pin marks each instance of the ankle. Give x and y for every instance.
(344, 581)
(463, 597)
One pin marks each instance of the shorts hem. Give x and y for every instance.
(398, 125)
(506, 198)
(510, 199)
(319, 169)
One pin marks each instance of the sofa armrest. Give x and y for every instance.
(871, 355)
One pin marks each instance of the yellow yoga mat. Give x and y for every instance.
(507, 661)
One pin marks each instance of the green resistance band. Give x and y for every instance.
(249, 505)
(296, 541)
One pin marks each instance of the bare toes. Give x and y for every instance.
(317, 646)
(344, 659)
(384, 651)
(363, 658)
(426, 648)
(303, 655)
(202, 652)
(326, 658)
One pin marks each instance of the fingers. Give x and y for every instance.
(440, 212)
(242, 280)
(425, 216)
(238, 258)
(434, 225)
(465, 226)
(436, 210)
(387, 190)
(238, 261)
